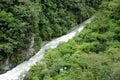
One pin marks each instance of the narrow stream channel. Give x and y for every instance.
(19, 72)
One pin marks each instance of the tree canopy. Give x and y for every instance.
(94, 54)
(20, 20)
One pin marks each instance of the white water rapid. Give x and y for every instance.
(18, 72)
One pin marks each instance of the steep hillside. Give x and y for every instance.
(25, 21)
(94, 54)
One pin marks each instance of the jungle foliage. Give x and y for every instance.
(94, 54)
(20, 20)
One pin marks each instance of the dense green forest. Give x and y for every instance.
(20, 20)
(93, 54)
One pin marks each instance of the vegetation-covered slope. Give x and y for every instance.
(94, 54)
(20, 20)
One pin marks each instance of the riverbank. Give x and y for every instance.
(23, 68)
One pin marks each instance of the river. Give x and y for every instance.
(19, 72)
